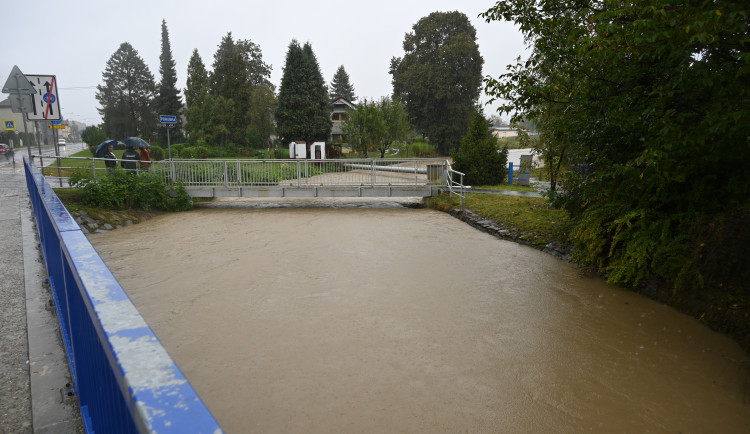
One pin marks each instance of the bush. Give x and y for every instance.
(157, 153)
(188, 152)
(202, 152)
(123, 190)
(177, 150)
(422, 150)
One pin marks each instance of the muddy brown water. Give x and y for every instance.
(389, 319)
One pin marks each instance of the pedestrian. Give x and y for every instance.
(130, 160)
(145, 157)
(110, 160)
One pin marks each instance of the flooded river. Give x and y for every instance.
(388, 319)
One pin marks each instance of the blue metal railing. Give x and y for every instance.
(124, 379)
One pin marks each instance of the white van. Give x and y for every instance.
(61, 143)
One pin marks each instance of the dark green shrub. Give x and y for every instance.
(177, 150)
(202, 152)
(157, 153)
(188, 153)
(123, 190)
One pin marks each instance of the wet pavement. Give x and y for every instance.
(33, 367)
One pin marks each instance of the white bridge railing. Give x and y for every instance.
(302, 173)
(289, 177)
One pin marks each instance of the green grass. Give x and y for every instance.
(505, 187)
(537, 222)
(69, 164)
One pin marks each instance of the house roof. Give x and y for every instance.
(342, 101)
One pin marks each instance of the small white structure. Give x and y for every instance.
(318, 151)
(298, 150)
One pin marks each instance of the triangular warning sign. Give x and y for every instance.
(17, 83)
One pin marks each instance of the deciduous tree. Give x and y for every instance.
(396, 125)
(652, 99)
(439, 77)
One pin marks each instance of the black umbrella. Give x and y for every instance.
(102, 148)
(136, 142)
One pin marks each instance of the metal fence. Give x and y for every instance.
(124, 379)
(301, 173)
(267, 173)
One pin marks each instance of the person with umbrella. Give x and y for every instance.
(130, 160)
(110, 159)
(145, 157)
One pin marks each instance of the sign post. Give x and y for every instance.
(169, 121)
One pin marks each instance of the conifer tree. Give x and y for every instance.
(303, 111)
(195, 98)
(127, 96)
(341, 87)
(238, 70)
(478, 156)
(169, 101)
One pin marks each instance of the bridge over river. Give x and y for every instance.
(309, 178)
(406, 177)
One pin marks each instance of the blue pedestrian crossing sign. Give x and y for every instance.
(9, 124)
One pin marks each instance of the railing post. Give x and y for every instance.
(93, 168)
(372, 163)
(299, 173)
(226, 175)
(463, 192)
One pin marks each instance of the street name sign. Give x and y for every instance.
(167, 119)
(45, 100)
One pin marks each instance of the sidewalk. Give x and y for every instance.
(33, 366)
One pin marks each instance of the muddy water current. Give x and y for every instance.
(389, 319)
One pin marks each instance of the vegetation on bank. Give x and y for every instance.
(648, 107)
(125, 190)
(531, 218)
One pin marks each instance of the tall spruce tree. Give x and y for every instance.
(127, 96)
(341, 87)
(439, 77)
(195, 99)
(169, 101)
(303, 111)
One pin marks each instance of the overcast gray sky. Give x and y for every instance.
(74, 39)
